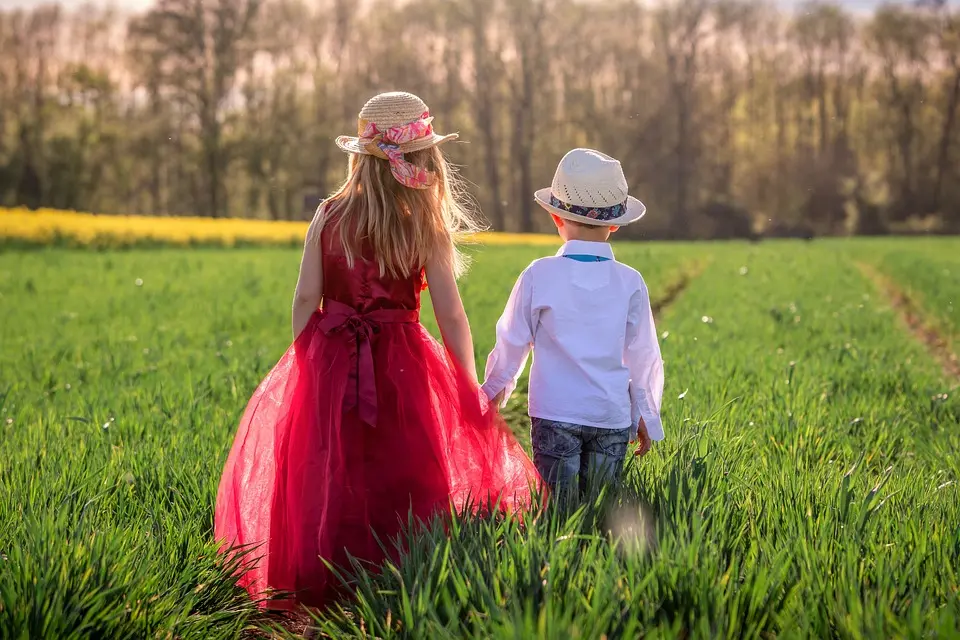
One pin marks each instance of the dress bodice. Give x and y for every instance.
(361, 286)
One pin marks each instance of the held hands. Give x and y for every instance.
(642, 440)
(494, 402)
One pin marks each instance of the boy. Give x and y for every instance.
(597, 377)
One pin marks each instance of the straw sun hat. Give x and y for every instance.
(390, 125)
(589, 187)
(395, 109)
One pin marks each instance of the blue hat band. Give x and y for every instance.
(600, 214)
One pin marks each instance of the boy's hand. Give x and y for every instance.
(642, 440)
(498, 400)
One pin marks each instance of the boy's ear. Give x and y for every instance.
(557, 220)
(614, 229)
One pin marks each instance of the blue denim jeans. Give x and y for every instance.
(564, 453)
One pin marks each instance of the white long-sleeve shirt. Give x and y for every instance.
(590, 326)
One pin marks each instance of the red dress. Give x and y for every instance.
(364, 418)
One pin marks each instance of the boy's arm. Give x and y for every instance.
(642, 358)
(514, 342)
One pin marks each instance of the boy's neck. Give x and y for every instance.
(587, 235)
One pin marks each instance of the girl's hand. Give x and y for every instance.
(642, 440)
(497, 401)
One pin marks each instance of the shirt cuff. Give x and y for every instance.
(492, 388)
(654, 426)
(651, 419)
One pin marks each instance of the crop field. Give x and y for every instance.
(807, 486)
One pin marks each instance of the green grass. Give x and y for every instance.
(807, 486)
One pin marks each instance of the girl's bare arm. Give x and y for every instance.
(310, 283)
(449, 311)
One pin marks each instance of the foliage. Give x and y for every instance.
(732, 117)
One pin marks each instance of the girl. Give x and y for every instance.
(366, 419)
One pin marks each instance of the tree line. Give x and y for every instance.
(731, 117)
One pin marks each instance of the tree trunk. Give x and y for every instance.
(484, 113)
(943, 159)
(823, 113)
(524, 136)
(212, 152)
(522, 154)
(680, 218)
(273, 206)
(905, 144)
(780, 115)
(156, 160)
(904, 141)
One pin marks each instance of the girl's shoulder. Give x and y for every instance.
(326, 223)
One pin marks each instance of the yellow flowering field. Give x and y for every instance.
(47, 227)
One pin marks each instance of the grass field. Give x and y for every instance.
(807, 486)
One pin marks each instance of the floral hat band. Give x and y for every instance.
(386, 145)
(600, 214)
(419, 128)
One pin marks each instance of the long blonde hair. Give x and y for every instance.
(405, 228)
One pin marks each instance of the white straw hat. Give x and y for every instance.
(589, 187)
(390, 111)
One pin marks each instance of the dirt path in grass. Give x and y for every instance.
(909, 311)
(267, 626)
(676, 288)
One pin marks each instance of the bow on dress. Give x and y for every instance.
(362, 383)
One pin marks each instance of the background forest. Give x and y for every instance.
(731, 117)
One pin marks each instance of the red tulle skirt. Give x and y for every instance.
(310, 480)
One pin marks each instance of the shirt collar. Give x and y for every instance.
(584, 248)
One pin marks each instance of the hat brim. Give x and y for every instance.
(635, 211)
(351, 144)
